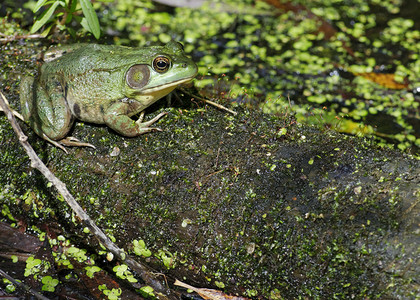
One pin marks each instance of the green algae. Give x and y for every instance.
(314, 225)
(274, 208)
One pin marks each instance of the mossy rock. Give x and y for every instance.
(257, 204)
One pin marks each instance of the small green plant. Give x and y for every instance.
(60, 13)
(5, 211)
(140, 248)
(76, 253)
(49, 283)
(10, 288)
(33, 266)
(147, 292)
(123, 273)
(168, 259)
(113, 294)
(91, 270)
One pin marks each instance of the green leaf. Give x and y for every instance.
(73, 7)
(140, 248)
(70, 12)
(38, 24)
(49, 283)
(38, 5)
(91, 18)
(147, 291)
(90, 271)
(47, 30)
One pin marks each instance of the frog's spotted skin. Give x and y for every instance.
(101, 84)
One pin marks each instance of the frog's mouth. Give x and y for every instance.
(165, 86)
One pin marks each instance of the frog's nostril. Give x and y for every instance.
(184, 65)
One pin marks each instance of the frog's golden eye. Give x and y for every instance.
(161, 64)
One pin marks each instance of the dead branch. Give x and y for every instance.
(9, 38)
(142, 270)
(22, 286)
(210, 102)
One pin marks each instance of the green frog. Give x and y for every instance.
(101, 84)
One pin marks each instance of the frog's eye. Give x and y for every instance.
(161, 64)
(137, 76)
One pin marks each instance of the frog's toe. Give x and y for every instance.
(73, 142)
(148, 129)
(14, 112)
(55, 143)
(148, 123)
(18, 115)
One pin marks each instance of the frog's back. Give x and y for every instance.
(100, 57)
(91, 74)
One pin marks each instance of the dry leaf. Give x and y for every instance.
(209, 294)
(386, 80)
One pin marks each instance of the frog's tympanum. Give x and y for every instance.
(101, 84)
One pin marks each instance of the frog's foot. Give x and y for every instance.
(144, 127)
(18, 115)
(73, 142)
(55, 143)
(69, 142)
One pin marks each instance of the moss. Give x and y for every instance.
(262, 220)
(271, 234)
(250, 240)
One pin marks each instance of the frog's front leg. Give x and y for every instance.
(116, 117)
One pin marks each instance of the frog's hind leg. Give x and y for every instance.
(40, 110)
(59, 117)
(45, 108)
(50, 106)
(27, 94)
(50, 116)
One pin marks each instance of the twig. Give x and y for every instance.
(218, 105)
(9, 38)
(22, 286)
(143, 271)
(211, 102)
